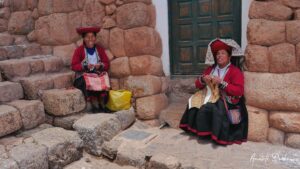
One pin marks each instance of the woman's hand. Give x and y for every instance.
(91, 66)
(97, 66)
(216, 80)
(207, 78)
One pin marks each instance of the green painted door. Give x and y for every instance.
(193, 24)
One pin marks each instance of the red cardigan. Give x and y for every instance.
(79, 56)
(235, 79)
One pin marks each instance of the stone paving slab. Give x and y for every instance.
(192, 152)
(92, 162)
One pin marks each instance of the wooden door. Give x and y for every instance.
(193, 24)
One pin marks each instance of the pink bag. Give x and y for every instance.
(96, 82)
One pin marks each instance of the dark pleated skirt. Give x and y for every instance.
(211, 121)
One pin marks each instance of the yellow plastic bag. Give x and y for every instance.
(119, 100)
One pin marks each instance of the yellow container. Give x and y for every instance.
(119, 100)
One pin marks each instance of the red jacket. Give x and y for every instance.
(235, 79)
(79, 56)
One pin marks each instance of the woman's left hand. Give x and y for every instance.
(97, 66)
(216, 80)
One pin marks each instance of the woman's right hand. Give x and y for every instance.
(207, 78)
(91, 66)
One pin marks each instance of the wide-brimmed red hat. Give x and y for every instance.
(219, 45)
(82, 30)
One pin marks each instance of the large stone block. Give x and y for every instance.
(142, 41)
(142, 85)
(298, 56)
(21, 23)
(36, 64)
(10, 120)
(282, 58)
(258, 124)
(8, 164)
(103, 38)
(5, 13)
(65, 53)
(280, 96)
(152, 13)
(63, 80)
(116, 42)
(3, 25)
(148, 108)
(110, 9)
(53, 64)
(65, 6)
(14, 67)
(30, 156)
(144, 1)
(34, 85)
(32, 112)
(67, 122)
(257, 58)
(126, 117)
(297, 14)
(114, 84)
(32, 50)
(45, 7)
(291, 3)
(64, 147)
(6, 39)
(293, 140)
(164, 161)
(275, 11)
(265, 33)
(16, 5)
(10, 91)
(108, 22)
(275, 136)
(93, 13)
(145, 65)
(106, 2)
(13, 52)
(94, 129)
(119, 67)
(133, 15)
(3, 54)
(292, 32)
(31, 4)
(60, 102)
(53, 29)
(285, 121)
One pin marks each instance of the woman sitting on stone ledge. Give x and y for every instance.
(90, 57)
(223, 84)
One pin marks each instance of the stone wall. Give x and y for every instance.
(128, 33)
(272, 78)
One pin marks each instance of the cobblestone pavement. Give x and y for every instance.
(137, 147)
(92, 162)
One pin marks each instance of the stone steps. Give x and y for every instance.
(20, 114)
(27, 66)
(10, 91)
(34, 85)
(41, 148)
(19, 51)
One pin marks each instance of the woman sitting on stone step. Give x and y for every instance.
(91, 58)
(222, 115)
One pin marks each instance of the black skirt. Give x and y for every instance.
(211, 121)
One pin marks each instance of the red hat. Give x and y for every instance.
(219, 45)
(82, 30)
